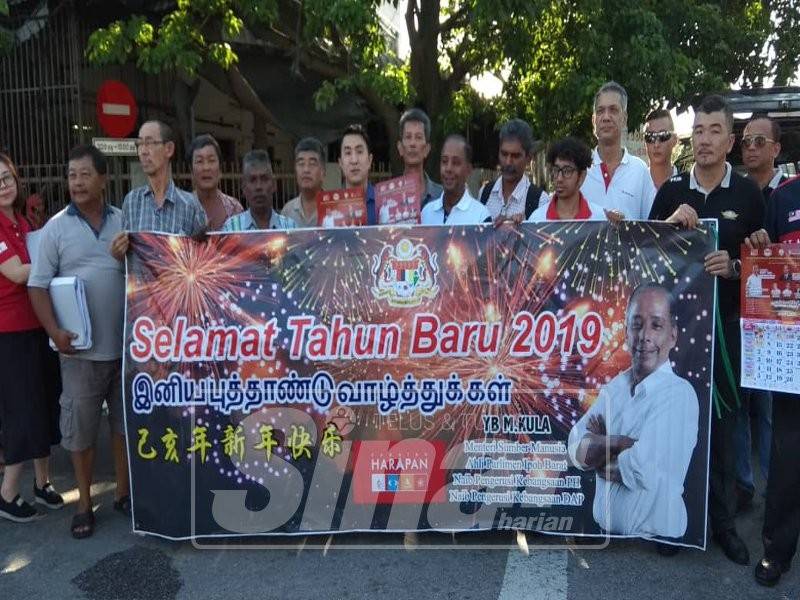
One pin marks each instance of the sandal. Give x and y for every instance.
(123, 505)
(82, 525)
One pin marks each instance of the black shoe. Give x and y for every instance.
(48, 496)
(17, 510)
(667, 549)
(733, 546)
(768, 572)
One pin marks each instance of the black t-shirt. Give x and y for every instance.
(739, 209)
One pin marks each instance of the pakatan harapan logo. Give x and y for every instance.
(404, 274)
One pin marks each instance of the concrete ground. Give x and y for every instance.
(42, 560)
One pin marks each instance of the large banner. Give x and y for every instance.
(552, 377)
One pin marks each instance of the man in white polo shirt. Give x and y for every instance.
(617, 181)
(455, 206)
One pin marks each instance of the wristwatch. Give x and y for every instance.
(736, 267)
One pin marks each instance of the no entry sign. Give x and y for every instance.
(116, 109)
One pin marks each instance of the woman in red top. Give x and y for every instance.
(29, 370)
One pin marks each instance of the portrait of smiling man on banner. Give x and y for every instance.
(640, 433)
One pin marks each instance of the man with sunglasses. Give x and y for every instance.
(761, 145)
(660, 140)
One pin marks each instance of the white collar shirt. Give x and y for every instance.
(467, 211)
(776, 180)
(630, 190)
(662, 416)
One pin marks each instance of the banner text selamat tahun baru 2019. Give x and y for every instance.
(421, 378)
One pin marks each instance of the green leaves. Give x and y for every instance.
(662, 52)
(194, 32)
(553, 54)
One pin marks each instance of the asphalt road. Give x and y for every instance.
(41, 560)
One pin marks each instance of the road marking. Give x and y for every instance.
(540, 576)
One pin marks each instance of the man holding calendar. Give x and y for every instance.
(782, 507)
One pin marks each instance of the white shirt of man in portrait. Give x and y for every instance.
(640, 433)
(753, 286)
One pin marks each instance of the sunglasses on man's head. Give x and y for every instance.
(651, 137)
(759, 141)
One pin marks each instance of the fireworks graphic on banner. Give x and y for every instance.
(492, 275)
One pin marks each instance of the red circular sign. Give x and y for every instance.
(116, 109)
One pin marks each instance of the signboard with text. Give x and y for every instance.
(551, 377)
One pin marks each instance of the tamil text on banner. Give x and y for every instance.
(551, 376)
(770, 318)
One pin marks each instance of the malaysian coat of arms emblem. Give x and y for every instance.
(404, 274)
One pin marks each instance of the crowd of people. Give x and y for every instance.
(58, 396)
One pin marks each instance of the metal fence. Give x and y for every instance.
(40, 103)
(50, 182)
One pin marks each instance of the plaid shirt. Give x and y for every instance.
(181, 213)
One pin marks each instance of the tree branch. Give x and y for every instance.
(457, 19)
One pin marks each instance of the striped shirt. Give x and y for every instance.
(180, 214)
(245, 222)
(515, 203)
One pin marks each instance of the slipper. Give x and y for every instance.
(123, 505)
(82, 525)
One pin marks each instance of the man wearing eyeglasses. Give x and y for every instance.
(660, 140)
(617, 181)
(761, 145)
(569, 160)
(159, 206)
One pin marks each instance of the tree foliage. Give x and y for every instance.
(551, 54)
(662, 52)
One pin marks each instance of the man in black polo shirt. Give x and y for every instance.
(761, 145)
(782, 509)
(712, 190)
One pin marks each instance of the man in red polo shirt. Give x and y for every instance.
(569, 159)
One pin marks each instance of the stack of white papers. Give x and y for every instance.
(72, 313)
